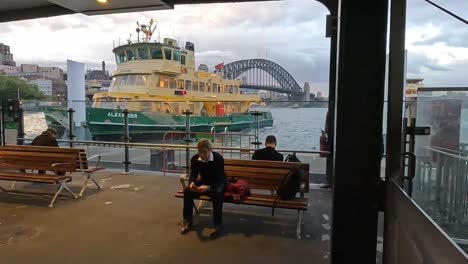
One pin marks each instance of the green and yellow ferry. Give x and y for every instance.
(157, 82)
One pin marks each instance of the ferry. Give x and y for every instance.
(157, 82)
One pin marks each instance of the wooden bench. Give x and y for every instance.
(52, 159)
(264, 177)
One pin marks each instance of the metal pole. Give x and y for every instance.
(126, 139)
(187, 140)
(2, 116)
(21, 134)
(256, 115)
(71, 126)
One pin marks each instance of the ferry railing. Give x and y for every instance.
(441, 188)
(99, 148)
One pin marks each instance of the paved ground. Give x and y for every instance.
(134, 220)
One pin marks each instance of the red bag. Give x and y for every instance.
(237, 189)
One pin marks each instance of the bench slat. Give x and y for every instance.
(254, 199)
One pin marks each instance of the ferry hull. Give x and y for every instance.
(109, 124)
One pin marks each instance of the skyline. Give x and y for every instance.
(290, 33)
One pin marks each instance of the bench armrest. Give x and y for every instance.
(59, 164)
(98, 162)
(302, 189)
(182, 179)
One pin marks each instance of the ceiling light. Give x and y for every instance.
(102, 1)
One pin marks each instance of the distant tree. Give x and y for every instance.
(9, 86)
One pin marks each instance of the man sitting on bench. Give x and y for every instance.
(206, 177)
(269, 151)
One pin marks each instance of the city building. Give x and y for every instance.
(6, 58)
(98, 74)
(45, 86)
(6, 69)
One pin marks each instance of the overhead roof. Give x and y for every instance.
(11, 10)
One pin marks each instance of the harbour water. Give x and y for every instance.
(297, 129)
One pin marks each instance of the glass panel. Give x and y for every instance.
(202, 86)
(182, 59)
(208, 87)
(188, 85)
(163, 83)
(156, 53)
(131, 54)
(195, 86)
(143, 53)
(440, 185)
(176, 55)
(215, 88)
(167, 53)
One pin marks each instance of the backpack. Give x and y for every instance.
(291, 182)
(237, 189)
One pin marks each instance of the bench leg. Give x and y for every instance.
(89, 177)
(13, 185)
(61, 187)
(299, 224)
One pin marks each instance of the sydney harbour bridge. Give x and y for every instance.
(261, 74)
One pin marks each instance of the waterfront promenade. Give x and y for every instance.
(134, 220)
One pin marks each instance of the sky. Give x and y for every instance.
(290, 33)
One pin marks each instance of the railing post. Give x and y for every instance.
(126, 139)
(188, 140)
(20, 140)
(256, 114)
(71, 126)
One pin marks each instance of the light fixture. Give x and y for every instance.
(102, 1)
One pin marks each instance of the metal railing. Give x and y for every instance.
(441, 188)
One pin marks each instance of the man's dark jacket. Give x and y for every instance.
(211, 172)
(45, 139)
(267, 153)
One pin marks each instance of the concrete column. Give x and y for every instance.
(362, 28)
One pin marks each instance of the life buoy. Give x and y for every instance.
(323, 143)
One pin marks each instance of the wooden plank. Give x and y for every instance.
(296, 205)
(256, 169)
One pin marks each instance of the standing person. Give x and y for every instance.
(206, 177)
(46, 138)
(269, 152)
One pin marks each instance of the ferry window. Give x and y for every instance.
(236, 89)
(156, 53)
(172, 83)
(131, 80)
(143, 53)
(195, 86)
(146, 106)
(112, 82)
(163, 83)
(202, 86)
(182, 59)
(188, 85)
(215, 87)
(176, 54)
(123, 80)
(121, 57)
(140, 80)
(167, 53)
(231, 89)
(226, 88)
(208, 87)
(131, 54)
(180, 84)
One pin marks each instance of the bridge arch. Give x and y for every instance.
(289, 85)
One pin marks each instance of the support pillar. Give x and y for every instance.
(362, 28)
